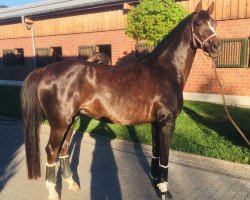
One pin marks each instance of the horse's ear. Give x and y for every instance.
(210, 10)
(198, 7)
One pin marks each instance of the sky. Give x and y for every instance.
(12, 3)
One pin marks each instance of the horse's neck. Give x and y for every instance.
(178, 57)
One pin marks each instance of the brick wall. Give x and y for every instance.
(16, 72)
(119, 42)
(120, 45)
(235, 81)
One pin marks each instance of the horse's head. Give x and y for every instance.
(203, 31)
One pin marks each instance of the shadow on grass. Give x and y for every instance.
(222, 126)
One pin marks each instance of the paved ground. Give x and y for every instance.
(113, 170)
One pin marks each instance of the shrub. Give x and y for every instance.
(151, 20)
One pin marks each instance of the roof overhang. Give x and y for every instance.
(52, 7)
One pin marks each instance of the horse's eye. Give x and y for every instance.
(198, 23)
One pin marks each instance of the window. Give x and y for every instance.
(104, 48)
(84, 52)
(45, 56)
(56, 54)
(13, 56)
(234, 53)
(19, 53)
(42, 57)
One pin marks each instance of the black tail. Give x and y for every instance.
(32, 117)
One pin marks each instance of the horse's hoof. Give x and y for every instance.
(166, 196)
(74, 187)
(52, 191)
(163, 197)
(53, 198)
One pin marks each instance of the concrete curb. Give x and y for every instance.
(190, 160)
(11, 83)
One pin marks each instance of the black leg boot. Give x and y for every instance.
(67, 173)
(65, 167)
(154, 167)
(163, 181)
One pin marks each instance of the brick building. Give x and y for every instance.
(34, 35)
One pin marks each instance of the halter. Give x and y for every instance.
(195, 37)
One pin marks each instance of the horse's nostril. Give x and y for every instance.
(216, 46)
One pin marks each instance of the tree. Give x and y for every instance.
(151, 20)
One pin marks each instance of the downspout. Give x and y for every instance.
(30, 27)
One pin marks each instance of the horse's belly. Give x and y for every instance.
(119, 114)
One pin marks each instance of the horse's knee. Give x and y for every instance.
(49, 152)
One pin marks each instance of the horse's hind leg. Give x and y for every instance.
(56, 137)
(65, 163)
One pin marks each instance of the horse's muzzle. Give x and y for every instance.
(214, 48)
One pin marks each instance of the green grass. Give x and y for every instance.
(10, 102)
(201, 128)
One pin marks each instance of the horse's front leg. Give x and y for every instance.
(166, 126)
(155, 152)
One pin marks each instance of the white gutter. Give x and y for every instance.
(29, 26)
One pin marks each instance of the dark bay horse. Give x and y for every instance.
(143, 92)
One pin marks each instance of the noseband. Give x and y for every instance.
(196, 38)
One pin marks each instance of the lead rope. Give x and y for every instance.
(225, 107)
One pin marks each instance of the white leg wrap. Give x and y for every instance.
(50, 165)
(155, 157)
(52, 191)
(64, 156)
(153, 177)
(163, 187)
(163, 166)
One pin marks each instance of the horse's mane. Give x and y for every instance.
(170, 38)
